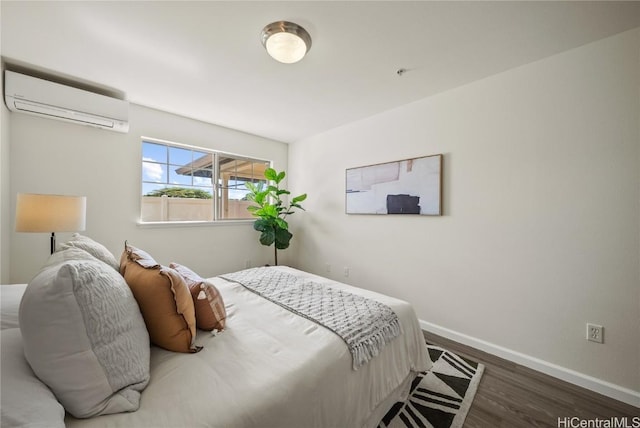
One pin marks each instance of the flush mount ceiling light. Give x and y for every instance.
(285, 41)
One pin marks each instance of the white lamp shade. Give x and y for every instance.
(50, 213)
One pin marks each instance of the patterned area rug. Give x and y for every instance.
(440, 397)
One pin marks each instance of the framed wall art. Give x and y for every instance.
(410, 186)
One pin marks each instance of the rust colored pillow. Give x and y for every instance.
(164, 299)
(210, 311)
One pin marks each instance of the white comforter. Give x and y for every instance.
(272, 368)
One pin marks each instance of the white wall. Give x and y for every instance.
(49, 156)
(5, 200)
(541, 225)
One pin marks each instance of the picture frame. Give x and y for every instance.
(408, 186)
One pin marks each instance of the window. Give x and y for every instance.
(182, 183)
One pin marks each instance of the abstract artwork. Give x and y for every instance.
(410, 186)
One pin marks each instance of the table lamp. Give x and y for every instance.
(50, 213)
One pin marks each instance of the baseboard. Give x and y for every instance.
(600, 386)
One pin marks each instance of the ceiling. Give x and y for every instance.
(204, 59)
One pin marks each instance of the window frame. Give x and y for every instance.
(216, 186)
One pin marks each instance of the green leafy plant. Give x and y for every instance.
(272, 211)
(180, 192)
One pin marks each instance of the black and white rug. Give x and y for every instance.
(440, 397)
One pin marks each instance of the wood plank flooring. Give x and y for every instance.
(514, 396)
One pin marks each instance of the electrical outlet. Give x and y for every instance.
(247, 264)
(595, 333)
(346, 271)
(327, 268)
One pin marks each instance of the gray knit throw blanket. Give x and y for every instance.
(365, 325)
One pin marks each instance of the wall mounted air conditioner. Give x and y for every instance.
(30, 95)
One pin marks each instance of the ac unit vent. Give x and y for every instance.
(39, 97)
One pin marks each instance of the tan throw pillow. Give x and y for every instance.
(164, 300)
(210, 311)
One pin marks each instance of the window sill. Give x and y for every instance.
(166, 224)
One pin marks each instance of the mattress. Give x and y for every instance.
(272, 368)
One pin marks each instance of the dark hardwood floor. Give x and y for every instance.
(513, 396)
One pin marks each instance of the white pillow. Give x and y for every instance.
(92, 247)
(84, 337)
(26, 402)
(70, 253)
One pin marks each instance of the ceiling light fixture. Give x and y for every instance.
(285, 41)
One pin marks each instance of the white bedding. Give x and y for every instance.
(272, 368)
(9, 304)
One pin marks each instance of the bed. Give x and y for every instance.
(269, 367)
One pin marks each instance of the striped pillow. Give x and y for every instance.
(207, 300)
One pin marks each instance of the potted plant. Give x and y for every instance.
(272, 210)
